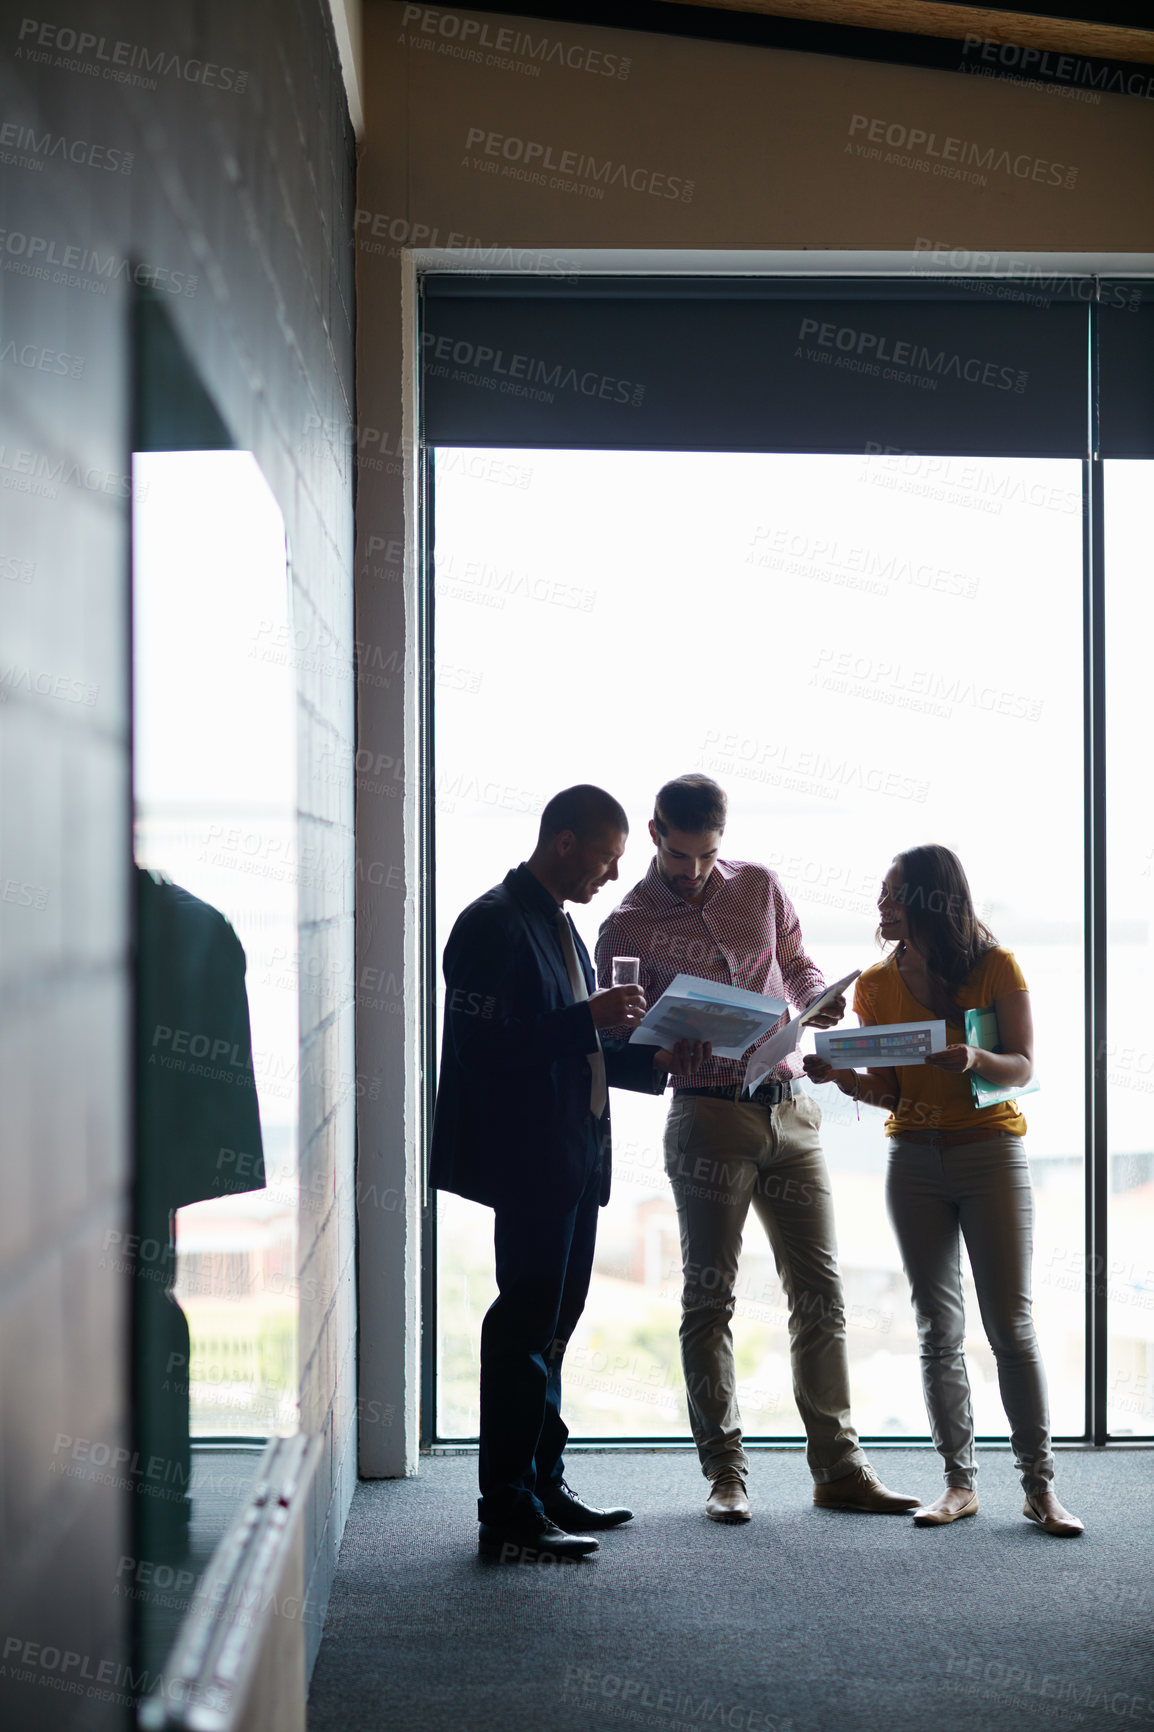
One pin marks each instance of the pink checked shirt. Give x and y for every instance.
(746, 933)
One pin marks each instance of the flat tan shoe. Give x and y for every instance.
(862, 1490)
(727, 1501)
(932, 1515)
(1058, 1522)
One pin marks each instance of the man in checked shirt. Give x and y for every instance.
(730, 920)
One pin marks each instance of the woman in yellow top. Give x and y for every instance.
(957, 1171)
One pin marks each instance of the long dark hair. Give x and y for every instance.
(942, 921)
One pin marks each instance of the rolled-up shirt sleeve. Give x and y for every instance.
(802, 977)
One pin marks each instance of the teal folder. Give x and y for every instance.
(982, 1030)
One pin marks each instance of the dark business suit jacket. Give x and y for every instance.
(198, 1119)
(512, 1120)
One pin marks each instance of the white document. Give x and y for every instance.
(788, 1039)
(882, 1044)
(826, 998)
(764, 1058)
(694, 1009)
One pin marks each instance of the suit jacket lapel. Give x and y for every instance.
(545, 938)
(586, 965)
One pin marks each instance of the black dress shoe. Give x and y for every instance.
(530, 1542)
(564, 1507)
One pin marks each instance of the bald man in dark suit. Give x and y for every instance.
(522, 1125)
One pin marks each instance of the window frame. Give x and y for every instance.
(1095, 1432)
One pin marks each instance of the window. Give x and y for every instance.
(1125, 1061)
(214, 713)
(216, 813)
(926, 534)
(856, 650)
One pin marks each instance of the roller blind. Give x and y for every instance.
(1126, 370)
(984, 367)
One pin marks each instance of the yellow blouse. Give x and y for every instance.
(931, 1099)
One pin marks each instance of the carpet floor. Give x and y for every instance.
(804, 1620)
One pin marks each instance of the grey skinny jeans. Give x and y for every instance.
(938, 1195)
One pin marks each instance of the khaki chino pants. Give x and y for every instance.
(721, 1158)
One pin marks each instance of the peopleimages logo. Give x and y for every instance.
(522, 375)
(50, 259)
(39, 147)
(957, 483)
(529, 160)
(1012, 276)
(504, 47)
(1064, 68)
(391, 234)
(859, 567)
(38, 474)
(956, 158)
(872, 347)
(121, 62)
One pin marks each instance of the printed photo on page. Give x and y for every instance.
(694, 1009)
(885, 1043)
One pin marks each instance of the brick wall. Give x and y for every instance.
(210, 145)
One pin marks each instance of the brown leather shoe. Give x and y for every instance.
(727, 1501)
(1051, 1517)
(862, 1490)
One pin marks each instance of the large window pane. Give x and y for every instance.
(1127, 1059)
(867, 653)
(215, 779)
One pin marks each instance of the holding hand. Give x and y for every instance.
(819, 1070)
(686, 1057)
(617, 1004)
(831, 1015)
(954, 1058)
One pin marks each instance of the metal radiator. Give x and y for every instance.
(238, 1663)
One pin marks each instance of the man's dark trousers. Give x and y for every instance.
(544, 1259)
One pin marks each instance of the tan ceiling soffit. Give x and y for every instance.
(924, 18)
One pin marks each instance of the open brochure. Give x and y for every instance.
(694, 1009)
(788, 1039)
